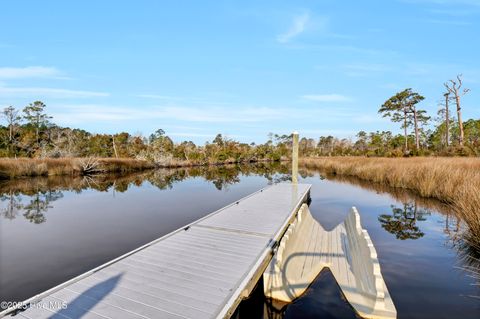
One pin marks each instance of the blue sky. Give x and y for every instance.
(240, 68)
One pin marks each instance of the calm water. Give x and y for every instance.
(52, 229)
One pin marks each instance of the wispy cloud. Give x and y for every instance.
(157, 96)
(446, 2)
(326, 132)
(190, 134)
(39, 92)
(390, 86)
(29, 72)
(298, 26)
(369, 118)
(453, 12)
(220, 115)
(344, 48)
(180, 115)
(170, 98)
(449, 22)
(96, 112)
(326, 97)
(403, 68)
(365, 69)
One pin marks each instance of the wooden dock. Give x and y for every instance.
(203, 270)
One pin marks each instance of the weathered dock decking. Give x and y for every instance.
(200, 271)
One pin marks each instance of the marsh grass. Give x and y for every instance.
(29, 167)
(26, 167)
(454, 181)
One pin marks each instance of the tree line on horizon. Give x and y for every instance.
(449, 136)
(30, 133)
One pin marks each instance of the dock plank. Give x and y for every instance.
(198, 271)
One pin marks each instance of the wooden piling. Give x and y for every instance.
(295, 158)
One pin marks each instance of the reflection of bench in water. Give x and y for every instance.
(347, 251)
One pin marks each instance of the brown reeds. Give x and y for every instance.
(27, 167)
(454, 181)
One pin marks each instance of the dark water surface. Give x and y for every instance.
(52, 229)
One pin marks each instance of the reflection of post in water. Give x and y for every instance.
(403, 221)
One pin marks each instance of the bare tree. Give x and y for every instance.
(13, 119)
(454, 87)
(11, 115)
(114, 147)
(444, 119)
(447, 119)
(419, 117)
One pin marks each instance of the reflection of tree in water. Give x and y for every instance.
(165, 178)
(220, 176)
(42, 191)
(223, 176)
(403, 221)
(453, 227)
(13, 205)
(39, 204)
(33, 210)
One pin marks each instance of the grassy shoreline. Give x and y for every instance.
(454, 181)
(11, 168)
(30, 167)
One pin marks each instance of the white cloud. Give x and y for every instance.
(368, 67)
(326, 132)
(29, 72)
(94, 112)
(40, 92)
(170, 98)
(326, 97)
(298, 26)
(390, 86)
(446, 2)
(156, 96)
(187, 134)
(365, 69)
(369, 118)
(459, 13)
(344, 48)
(204, 117)
(216, 114)
(449, 22)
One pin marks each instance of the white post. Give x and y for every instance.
(295, 158)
